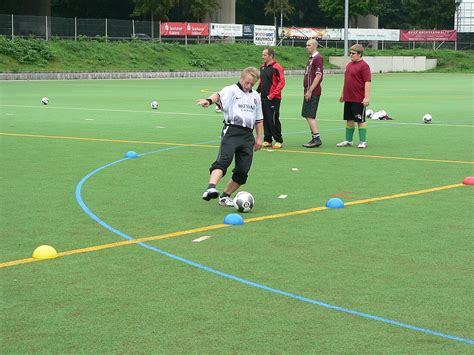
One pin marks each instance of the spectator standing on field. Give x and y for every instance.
(356, 95)
(313, 76)
(242, 113)
(272, 82)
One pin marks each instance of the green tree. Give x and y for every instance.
(154, 8)
(195, 10)
(403, 14)
(115, 9)
(335, 8)
(278, 8)
(430, 14)
(181, 10)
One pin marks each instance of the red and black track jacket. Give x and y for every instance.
(272, 80)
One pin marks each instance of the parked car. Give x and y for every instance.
(142, 36)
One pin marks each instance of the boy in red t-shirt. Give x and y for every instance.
(356, 95)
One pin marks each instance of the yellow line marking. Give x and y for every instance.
(105, 140)
(220, 226)
(152, 112)
(216, 146)
(377, 156)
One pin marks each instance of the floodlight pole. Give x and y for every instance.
(457, 19)
(346, 28)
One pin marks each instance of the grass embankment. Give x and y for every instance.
(31, 55)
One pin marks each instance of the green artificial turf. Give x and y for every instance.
(407, 259)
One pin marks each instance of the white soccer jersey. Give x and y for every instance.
(240, 108)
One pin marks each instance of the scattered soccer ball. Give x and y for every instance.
(154, 105)
(45, 101)
(427, 118)
(369, 113)
(376, 115)
(379, 115)
(243, 201)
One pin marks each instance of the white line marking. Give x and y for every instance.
(200, 239)
(212, 116)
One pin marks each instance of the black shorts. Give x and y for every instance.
(236, 142)
(354, 111)
(310, 107)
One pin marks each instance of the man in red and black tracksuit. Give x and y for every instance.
(272, 82)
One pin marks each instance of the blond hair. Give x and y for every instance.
(358, 48)
(313, 41)
(254, 72)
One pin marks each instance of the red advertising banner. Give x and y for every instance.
(197, 29)
(173, 28)
(184, 29)
(428, 35)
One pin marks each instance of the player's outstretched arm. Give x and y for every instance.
(203, 102)
(209, 101)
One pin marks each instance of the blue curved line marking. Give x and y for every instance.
(86, 209)
(239, 279)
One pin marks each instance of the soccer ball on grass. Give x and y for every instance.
(45, 101)
(369, 113)
(427, 118)
(154, 105)
(243, 201)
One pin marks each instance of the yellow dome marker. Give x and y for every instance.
(45, 252)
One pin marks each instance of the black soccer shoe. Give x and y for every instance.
(313, 143)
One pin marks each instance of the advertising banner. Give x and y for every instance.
(173, 28)
(184, 29)
(226, 30)
(310, 32)
(248, 31)
(264, 35)
(428, 35)
(197, 29)
(373, 34)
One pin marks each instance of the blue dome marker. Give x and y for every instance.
(335, 203)
(131, 154)
(233, 218)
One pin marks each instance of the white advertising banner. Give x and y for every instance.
(373, 34)
(331, 34)
(310, 32)
(264, 35)
(226, 30)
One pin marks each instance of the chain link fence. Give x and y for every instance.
(47, 27)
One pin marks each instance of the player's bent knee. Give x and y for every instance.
(239, 178)
(217, 166)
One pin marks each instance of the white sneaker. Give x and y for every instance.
(362, 145)
(344, 144)
(210, 194)
(226, 201)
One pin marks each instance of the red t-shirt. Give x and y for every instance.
(357, 74)
(313, 67)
